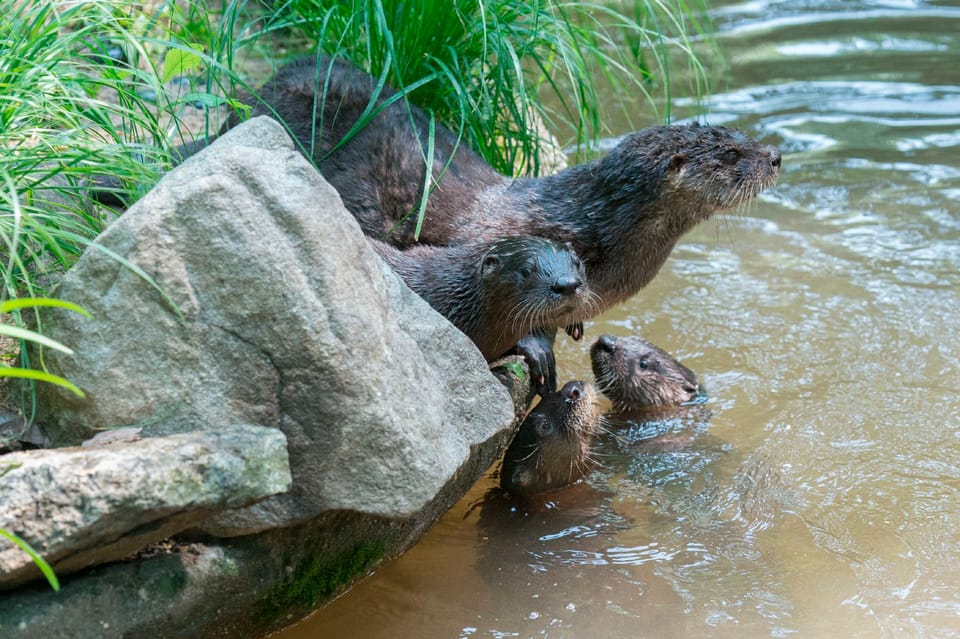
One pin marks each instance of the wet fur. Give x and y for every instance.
(552, 447)
(634, 374)
(496, 292)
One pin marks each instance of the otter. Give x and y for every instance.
(634, 374)
(496, 292)
(622, 213)
(552, 447)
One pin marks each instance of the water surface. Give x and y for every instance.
(817, 494)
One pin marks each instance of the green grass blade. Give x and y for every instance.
(17, 332)
(40, 376)
(37, 559)
(428, 178)
(36, 302)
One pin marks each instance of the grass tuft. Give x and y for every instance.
(504, 72)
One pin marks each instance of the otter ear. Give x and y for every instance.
(677, 160)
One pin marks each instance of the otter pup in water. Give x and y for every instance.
(496, 292)
(635, 374)
(552, 446)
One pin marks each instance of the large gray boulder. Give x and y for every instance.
(273, 311)
(267, 308)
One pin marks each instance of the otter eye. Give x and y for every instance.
(491, 261)
(730, 156)
(544, 428)
(644, 363)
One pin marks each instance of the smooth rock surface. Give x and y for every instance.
(83, 506)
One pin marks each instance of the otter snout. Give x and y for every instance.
(567, 284)
(775, 157)
(606, 343)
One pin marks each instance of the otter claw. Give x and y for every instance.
(538, 351)
(575, 331)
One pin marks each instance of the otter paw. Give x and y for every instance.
(538, 351)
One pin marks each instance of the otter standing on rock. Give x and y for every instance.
(634, 374)
(497, 292)
(552, 447)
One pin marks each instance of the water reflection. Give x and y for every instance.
(818, 493)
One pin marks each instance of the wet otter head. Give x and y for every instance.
(531, 282)
(552, 446)
(635, 374)
(497, 291)
(702, 169)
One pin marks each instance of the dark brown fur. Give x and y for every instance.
(552, 447)
(496, 292)
(635, 374)
(622, 213)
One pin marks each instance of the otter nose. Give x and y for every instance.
(567, 285)
(607, 342)
(775, 157)
(572, 391)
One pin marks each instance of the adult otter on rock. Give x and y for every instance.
(552, 447)
(497, 292)
(623, 213)
(635, 374)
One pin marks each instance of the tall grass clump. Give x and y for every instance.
(85, 92)
(496, 70)
(82, 94)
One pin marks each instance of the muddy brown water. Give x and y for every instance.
(817, 493)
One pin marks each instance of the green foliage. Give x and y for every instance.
(13, 308)
(22, 334)
(68, 109)
(37, 559)
(483, 68)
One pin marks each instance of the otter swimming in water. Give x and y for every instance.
(634, 374)
(552, 447)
